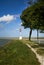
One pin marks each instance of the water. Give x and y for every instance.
(3, 41)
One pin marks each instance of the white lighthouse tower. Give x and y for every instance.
(20, 37)
(20, 32)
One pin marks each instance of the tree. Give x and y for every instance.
(39, 16)
(33, 17)
(26, 19)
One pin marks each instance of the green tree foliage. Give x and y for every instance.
(33, 17)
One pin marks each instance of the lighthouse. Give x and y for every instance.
(20, 37)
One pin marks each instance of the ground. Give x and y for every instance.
(17, 53)
(37, 48)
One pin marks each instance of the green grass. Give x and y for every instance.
(38, 47)
(40, 51)
(17, 53)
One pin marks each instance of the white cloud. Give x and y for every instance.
(7, 18)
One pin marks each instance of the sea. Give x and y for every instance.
(3, 41)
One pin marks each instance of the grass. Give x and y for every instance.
(40, 51)
(38, 47)
(17, 53)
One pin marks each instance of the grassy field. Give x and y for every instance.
(17, 53)
(38, 47)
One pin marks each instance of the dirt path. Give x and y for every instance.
(40, 58)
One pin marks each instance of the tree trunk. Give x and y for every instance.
(37, 35)
(30, 34)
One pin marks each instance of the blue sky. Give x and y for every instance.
(10, 21)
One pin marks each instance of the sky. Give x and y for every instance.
(10, 22)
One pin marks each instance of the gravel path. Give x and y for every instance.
(40, 58)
